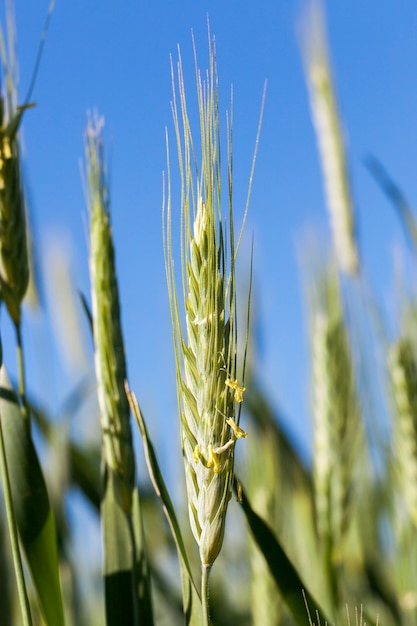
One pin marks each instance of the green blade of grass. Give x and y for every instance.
(290, 585)
(191, 600)
(6, 577)
(84, 473)
(13, 535)
(267, 419)
(396, 197)
(84, 461)
(34, 516)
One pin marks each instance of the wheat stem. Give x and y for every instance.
(205, 574)
(21, 369)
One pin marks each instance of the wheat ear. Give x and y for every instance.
(208, 391)
(403, 370)
(330, 139)
(337, 423)
(108, 340)
(14, 272)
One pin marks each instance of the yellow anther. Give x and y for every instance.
(239, 391)
(6, 149)
(196, 454)
(237, 431)
(213, 459)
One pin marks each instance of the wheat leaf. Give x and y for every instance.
(34, 516)
(292, 588)
(191, 599)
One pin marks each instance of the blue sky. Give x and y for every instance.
(114, 56)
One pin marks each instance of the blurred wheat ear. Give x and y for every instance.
(330, 138)
(403, 369)
(127, 588)
(14, 278)
(108, 339)
(338, 427)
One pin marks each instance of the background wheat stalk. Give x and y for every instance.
(331, 144)
(14, 255)
(14, 274)
(110, 362)
(337, 421)
(403, 370)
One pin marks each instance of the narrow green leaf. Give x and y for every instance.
(30, 498)
(87, 311)
(84, 461)
(85, 472)
(191, 599)
(268, 420)
(396, 196)
(13, 535)
(6, 577)
(382, 588)
(293, 590)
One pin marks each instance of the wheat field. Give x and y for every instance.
(260, 535)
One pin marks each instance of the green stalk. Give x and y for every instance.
(21, 369)
(205, 573)
(11, 521)
(135, 581)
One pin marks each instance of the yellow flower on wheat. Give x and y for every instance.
(239, 391)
